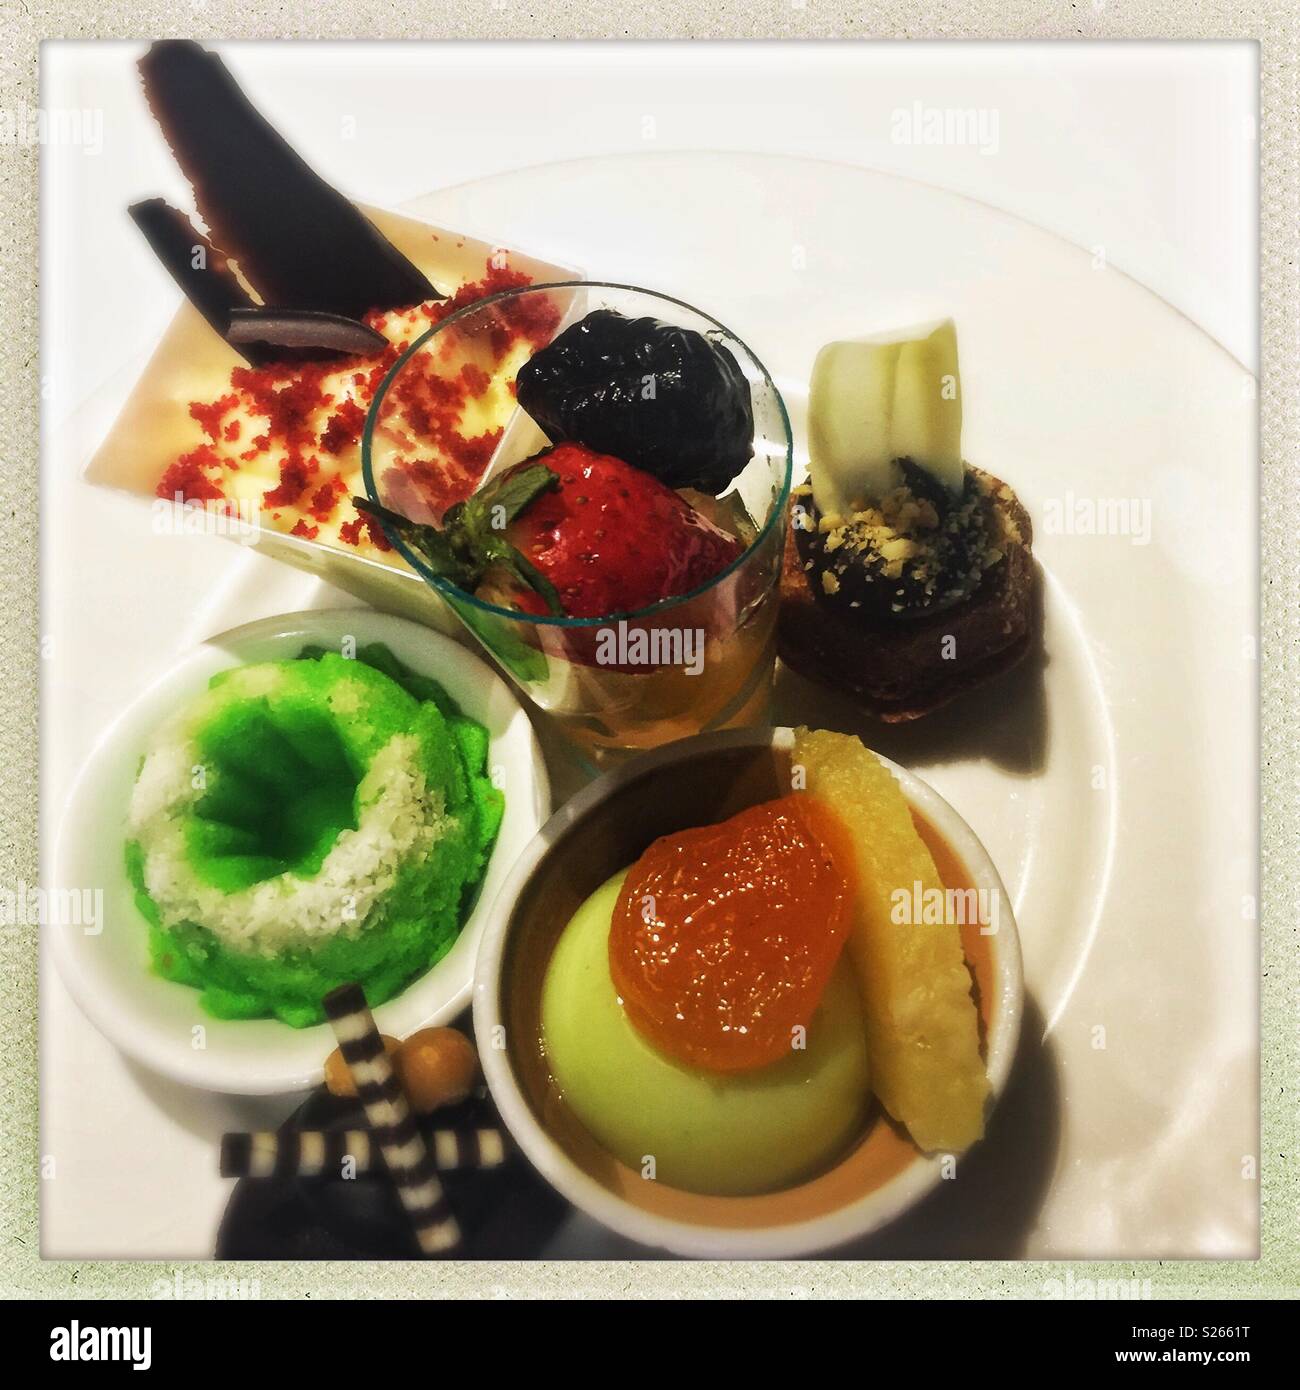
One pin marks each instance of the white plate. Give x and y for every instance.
(159, 1023)
(1114, 783)
(1114, 786)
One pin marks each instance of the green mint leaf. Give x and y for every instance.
(497, 504)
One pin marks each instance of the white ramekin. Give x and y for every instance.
(859, 1217)
(157, 1022)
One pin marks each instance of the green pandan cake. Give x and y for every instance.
(305, 823)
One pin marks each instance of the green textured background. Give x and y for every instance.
(26, 24)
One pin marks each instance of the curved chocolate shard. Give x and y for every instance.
(258, 334)
(300, 333)
(299, 242)
(197, 266)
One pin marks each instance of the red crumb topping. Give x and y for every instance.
(186, 477)
(351, 531)
(289, 407)
(295, 478)
(288, 401)
(326, 498)
(210, 416)
(475, 379)
(344, 427)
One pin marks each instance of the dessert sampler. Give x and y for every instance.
(739, 1009)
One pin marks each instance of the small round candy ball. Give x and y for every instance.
(437, 1066)
(338, 1079)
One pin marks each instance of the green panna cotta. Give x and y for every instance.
(306, 823)
(725, 1135)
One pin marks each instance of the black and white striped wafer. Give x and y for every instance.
(392, 1127)
(297, 1154)
(313, 1153)
(455, 1149)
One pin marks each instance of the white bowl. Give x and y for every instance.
(577, 829)
(154, 1021)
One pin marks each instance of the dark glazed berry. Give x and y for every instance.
(662, 398)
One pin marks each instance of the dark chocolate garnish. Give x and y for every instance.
(505, 1213)
(301, 333)
(258, 334)
(198, 267)
(298, 242)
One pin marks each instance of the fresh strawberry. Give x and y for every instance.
(575, 532)
(612, 538)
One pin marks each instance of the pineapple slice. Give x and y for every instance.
(922, 1026)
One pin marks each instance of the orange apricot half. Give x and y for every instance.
(724, 937)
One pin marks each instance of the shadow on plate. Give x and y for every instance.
(989, 1209)
(1003, 722)
(209, 1114)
